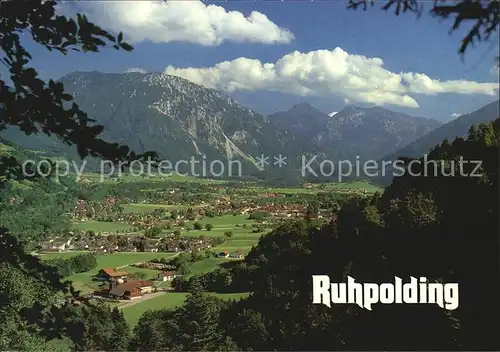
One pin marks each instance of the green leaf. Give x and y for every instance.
(126, 46)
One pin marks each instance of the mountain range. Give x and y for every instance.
(369, 133)
(180, 120)
(458, 127)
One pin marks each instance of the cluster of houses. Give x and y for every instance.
(276, 209)
(130, 242)
(352, 191)
(188, 244)
(271, 195)
(170, 196)
(223, 205)
(108, 209)
(166, 276)
(121, 287)
(144, 220)
(101, 244)
(279, 210)
(86, 210)
(239, 254)
(57, 245)
(154, 265)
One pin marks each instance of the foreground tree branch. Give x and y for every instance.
(482, 15)
(37, 106)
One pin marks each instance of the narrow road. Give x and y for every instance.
(141, 299)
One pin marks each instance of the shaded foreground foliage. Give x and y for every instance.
(35, 106)
(37, 310)
(77, 264)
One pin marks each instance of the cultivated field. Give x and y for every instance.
(358, 185)
(206, 265)
(242, 239)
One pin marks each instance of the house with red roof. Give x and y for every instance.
(239, 254)
(113, 276)
(167, 276)
(223, 254)
(131, 289)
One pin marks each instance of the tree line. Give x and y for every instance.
(73, 265)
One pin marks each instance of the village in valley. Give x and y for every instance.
(147, 236)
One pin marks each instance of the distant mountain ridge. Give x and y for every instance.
(368, 133)
(167, 114)
(458, 127)
(180, 120)
(449, 131)
(302, 120)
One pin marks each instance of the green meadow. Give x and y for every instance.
(126, 177)
(168, 300)
(226, 220)
(242, 238)
(84, 281)
(359, 185)
(206, 265)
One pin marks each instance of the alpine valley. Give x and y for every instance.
(181, 120)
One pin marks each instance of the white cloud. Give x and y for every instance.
(333, 113)
(135, 69)
(455, 114)
(182, 21)
(325, 73)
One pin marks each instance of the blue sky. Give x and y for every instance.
(335, 63)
